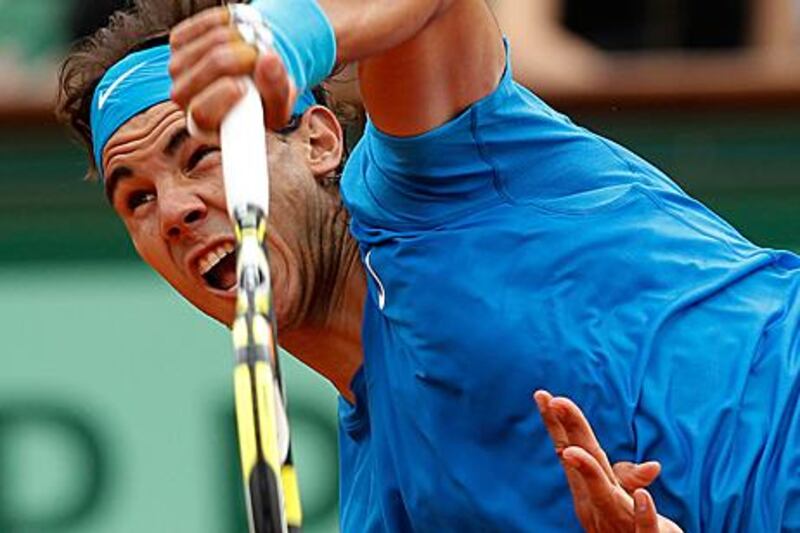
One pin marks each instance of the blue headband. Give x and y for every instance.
(133, 85)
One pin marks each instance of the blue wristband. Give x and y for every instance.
(303, 38)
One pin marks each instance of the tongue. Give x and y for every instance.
(223, 275)
(227, 275)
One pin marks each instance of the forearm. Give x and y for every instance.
(773, 23)
(365, 28)
(546, 56)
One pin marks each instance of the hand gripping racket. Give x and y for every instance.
(270, 480)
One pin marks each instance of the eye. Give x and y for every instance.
(201, 154)
(137, 199)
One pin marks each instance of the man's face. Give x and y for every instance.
(167, 188)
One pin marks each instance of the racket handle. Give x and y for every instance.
(244, 153)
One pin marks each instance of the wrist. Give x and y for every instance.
(303, 38)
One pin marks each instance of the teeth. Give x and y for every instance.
(212, 258)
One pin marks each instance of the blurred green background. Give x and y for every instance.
(116, 413)
(33, 29)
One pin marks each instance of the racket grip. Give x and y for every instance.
(244, 153)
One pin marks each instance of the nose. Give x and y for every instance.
(181, 210)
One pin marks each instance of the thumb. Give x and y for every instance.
(634, 476)
(645, 516)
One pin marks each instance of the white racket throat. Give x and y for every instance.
(244, 153)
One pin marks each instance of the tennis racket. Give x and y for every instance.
(270, 481)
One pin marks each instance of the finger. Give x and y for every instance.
(608, 502)
(276, 88)
(558, 436)
(191, 28)
(551, 422)
(602, 490)
(636, 476)
(579, 432)
(183, 58)
(235, 59)
(210, 107)
(582, 501)
(645, 515)
(581, 497)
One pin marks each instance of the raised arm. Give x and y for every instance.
(774, 25)
(421, 62)
(547, 57)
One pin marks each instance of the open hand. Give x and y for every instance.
(608, 499)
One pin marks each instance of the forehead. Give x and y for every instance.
(147, 121)
(143, 130)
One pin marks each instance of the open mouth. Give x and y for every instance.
(218, 267)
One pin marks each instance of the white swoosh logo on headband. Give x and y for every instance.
(105, 94)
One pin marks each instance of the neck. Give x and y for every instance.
(329, 339)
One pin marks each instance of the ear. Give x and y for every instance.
(325, 140)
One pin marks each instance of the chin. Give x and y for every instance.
(225, 314)
(226, 319)
(220, 309)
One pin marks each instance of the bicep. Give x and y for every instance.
(772, 23)
(420, 62)
(524, 19)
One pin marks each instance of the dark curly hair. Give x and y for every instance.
(146, 23)
(87, 62)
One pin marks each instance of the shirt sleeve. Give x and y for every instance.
(427, 178)
(508, 147)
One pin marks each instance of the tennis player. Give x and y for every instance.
(477, 245)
